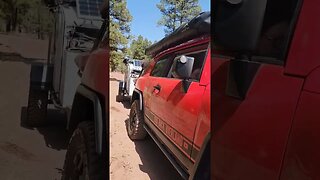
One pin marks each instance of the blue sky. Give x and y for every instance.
(146, 15)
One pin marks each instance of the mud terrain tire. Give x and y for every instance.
(37, 107)
(135, 123)
(82, 161)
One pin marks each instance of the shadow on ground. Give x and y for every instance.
(154, 162)
(126, 102)
(54, 131)
(15, 57)
(114, 79)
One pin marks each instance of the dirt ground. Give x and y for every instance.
(133, 160)
(38, 153)
(26, 153)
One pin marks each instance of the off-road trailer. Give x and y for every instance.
(55, 81)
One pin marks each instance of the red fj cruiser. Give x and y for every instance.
(171, 101)
(266, 90)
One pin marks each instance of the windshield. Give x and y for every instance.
(137, 63)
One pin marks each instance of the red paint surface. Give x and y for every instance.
(249, 136)
(274, 132)
(303, 158)
(304, 51)
(96, 73)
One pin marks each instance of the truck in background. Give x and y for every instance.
(132, 73)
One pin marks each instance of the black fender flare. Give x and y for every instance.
(205, 147)
(99, 117)
(140, 98)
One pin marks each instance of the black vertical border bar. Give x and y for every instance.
(104, 12)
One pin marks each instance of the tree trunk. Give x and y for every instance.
(8, 25)
(14, 19)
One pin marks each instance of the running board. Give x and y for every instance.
(182, 173)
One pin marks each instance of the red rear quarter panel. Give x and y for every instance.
(96, 72)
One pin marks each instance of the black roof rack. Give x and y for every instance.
(198, 26)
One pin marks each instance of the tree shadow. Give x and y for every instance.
(114, 79)
(154, 162)
(15, 57)
(54, 131)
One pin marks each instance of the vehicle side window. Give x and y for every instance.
(199, 57)
(278, 26)
(161, 67)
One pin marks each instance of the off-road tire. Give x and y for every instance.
(135, 123)
(81, 158)
(37, 107)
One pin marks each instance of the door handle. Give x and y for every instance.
(157, 88)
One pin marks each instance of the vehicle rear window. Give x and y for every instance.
(137, 63)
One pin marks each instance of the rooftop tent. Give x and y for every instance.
(198, 26)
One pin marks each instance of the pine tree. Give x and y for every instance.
(138, 47)
(176, 12)
(120, 19)
(27, 15)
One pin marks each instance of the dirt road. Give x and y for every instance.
(133, 160)
(26, 153)
(38, 153)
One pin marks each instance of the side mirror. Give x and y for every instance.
(237, 23)
(182, 69)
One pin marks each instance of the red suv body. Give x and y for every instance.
(180, 115)
(266, 107)
(178, 119)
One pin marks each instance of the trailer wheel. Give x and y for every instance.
(135, 124)
(37, 107)
(82, 161)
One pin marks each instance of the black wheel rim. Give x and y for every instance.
(132, 120)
